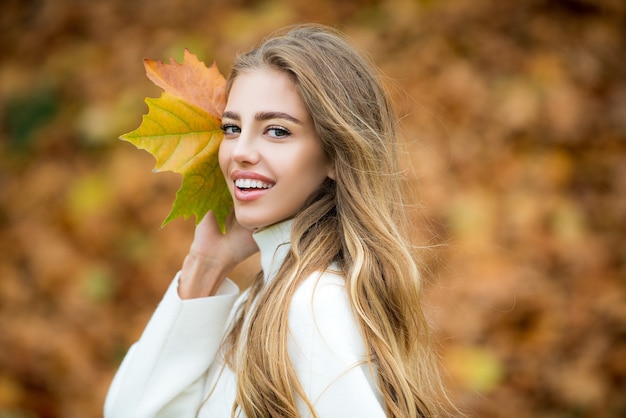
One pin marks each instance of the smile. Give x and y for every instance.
(252, 184)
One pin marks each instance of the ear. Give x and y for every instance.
(331, 171)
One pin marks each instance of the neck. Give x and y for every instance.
(274, 243)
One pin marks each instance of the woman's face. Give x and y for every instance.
(271, 156)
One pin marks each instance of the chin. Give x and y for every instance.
(249, 225)
(255, 223)
(250, 222)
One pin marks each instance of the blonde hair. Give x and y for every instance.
(358, 221)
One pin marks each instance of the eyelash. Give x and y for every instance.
(226, 127)
(284, 132)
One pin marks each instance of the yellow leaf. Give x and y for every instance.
(182, 131)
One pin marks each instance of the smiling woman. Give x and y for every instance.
(332, 325)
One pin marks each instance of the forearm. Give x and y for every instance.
(201, 277)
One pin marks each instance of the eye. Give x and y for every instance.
(277, 132)
(230, 130)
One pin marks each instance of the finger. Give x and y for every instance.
(231, 220)
(209, 221)
(207, 226)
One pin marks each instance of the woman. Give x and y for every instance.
(332, 326)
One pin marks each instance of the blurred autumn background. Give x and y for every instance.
(515, 116)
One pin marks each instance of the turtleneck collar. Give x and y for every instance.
(274, 243)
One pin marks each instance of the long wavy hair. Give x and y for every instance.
(357, 221)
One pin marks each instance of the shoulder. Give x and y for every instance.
(320, 291)
(323, 330)
(321, 310)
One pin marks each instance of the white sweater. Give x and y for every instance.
(175, 370)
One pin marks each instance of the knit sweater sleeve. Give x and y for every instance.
(163, 373)
(328, 351)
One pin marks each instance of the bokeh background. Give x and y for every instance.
(514, 113)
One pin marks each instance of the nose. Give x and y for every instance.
(244, 150)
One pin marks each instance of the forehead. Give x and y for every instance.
(265, 90)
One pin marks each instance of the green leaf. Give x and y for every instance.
(185, 139)
(182, 131)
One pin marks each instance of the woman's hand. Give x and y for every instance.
(213, 255)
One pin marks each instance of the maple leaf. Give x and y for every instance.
(182, 131)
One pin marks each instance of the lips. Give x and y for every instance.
(250, 185)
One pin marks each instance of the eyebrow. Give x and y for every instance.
(261, 116)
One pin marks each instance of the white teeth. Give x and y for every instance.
(251, 184)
